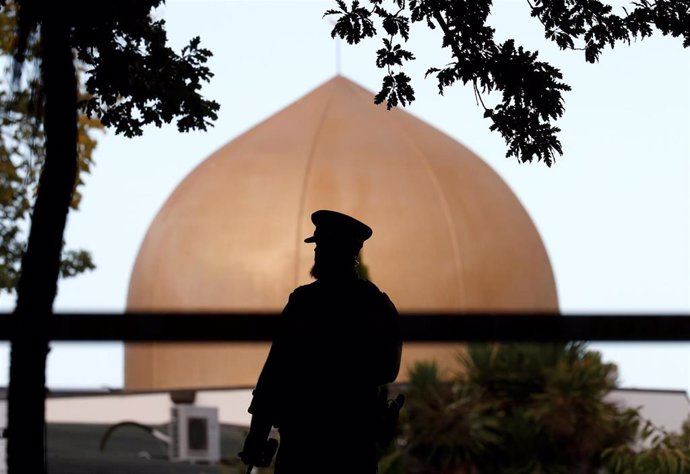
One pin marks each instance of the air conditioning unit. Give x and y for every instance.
(194, 434)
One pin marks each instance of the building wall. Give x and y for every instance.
(667, 410)
(148, 409)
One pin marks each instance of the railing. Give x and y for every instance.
(417, 327)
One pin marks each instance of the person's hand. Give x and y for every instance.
(258, 452)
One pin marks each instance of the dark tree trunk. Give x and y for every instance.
(41, 264)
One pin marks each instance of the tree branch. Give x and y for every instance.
(446, 31)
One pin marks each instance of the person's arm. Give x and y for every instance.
(256, 444)
(266, 395)
(390, 343)
(265, 405)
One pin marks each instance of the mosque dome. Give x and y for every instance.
(449, 235)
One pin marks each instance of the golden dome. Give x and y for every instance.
(449, 235)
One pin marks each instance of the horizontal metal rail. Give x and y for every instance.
(429, 327)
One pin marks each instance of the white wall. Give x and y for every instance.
(144, 408)
(667, 410)
(3, 441)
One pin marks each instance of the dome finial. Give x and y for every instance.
(337, 51)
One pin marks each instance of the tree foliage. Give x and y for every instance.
(655, 450)
(527, 408)
(530, 90)
(22, 153)
(133, 79)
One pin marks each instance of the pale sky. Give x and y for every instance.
(613, 212)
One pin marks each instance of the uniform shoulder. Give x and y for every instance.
(304, 290)
(299, 297)
(371, 288)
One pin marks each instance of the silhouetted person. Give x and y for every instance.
(339, 341)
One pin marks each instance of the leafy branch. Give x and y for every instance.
(22, 153)
(355, 24)
(530, 90)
